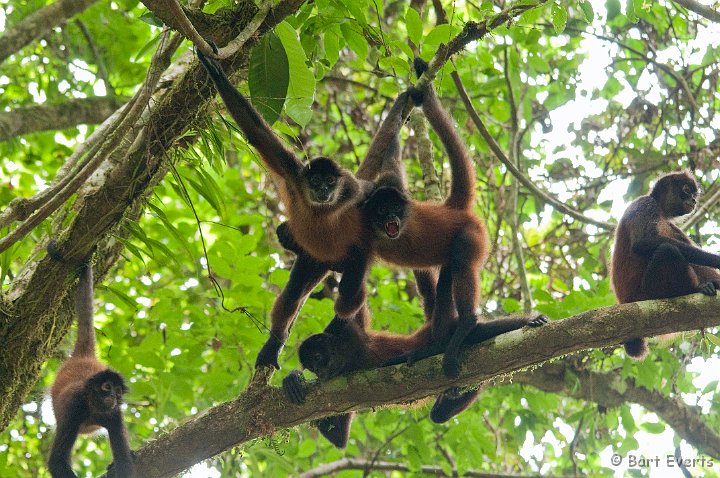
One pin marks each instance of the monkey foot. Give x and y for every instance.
(709, 288)
(451, 366)
(539, 321)
(269, 353)
(294, 386)
(451, 402)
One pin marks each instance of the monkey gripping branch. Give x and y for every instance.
(261, 409)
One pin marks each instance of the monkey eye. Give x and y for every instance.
(331, 180)
(106, 387)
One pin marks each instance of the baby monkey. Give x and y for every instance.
(86, 394)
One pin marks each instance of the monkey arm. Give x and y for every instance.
(120, 446)
(277, 157)
(68, 426)
(648, 241)
(383, 155)
(294, 386)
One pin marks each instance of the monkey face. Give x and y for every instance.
(322, 179)
(321, 354)
(387, 211)
(676, 193)
(104, 391)
(688, 195)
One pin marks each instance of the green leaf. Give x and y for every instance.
(439, 34)
(713, 339)
(269, 76)
(355, 41)
(654, 428)
(559, 18)
(301, 90)
(613, 8)
(588, 11)
(414, 25)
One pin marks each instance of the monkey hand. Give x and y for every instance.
(269, 353)
(110, 471)
(538, 321)
(294, 386)
(709, 288)
(451, 365)
(286, 239)
(211, 65)
(416, 94)
(420, 66)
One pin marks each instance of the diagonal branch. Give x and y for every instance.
(611, 390)
(38, 23)
(261, 408)
(702, 10)
(75, 111)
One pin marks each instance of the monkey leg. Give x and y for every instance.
(668, 274)
(426, 282)
(305, 274)
(69, 416)
(336, 428)
(489, 329)
(351, 291)
(465, 254)
(451, 402)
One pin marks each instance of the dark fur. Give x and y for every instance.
(655, 259)
(448, 235)
(345, 347)
(324, 218)
(86, 394)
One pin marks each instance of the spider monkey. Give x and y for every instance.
(86, 394)
(654, 258)
(425, 235)
(324, 217)
(345, 347)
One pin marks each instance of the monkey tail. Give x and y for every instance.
(637, 348)
(85, 345)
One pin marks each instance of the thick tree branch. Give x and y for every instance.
(702, 10)
(261, 409)
(38, 23)
(611, 390)
(76, 111)
(31, 316)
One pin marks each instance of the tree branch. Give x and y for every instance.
(611, 390)
(360, 464)
(702, 10)
(261, 408)
(75, 111)
(37, 23)
(500, 154)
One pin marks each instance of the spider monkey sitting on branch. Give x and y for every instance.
(86, 394)
(324, 218)
(654, 258)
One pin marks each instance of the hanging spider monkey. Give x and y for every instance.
(86, 394)
(654, 258)
(425, 235)
(345, 347)
(324, 217)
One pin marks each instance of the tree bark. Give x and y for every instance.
(261, 409)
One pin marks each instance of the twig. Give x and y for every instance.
(235, 44)
(173, 15)
(556, 203)
(702, 10)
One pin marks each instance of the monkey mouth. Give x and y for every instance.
(392, 228)
(689, 205)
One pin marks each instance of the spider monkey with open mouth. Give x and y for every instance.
(86, 394)
(653, 258)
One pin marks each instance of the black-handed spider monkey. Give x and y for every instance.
(324, 218)
(86, 394)
(345, 347)
(653, 258)
(424, 235)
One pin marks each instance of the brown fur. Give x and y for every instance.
(653, 258)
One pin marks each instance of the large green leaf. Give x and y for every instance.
(269, 76)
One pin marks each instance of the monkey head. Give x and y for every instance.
(104, 391)
(676, 193)
(387, 207)
(323, 182)
(322, 354)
